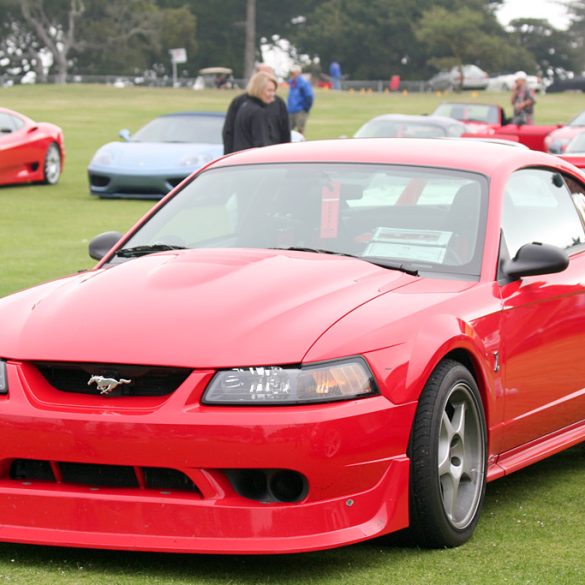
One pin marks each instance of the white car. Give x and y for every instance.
(506, 82)
(473, 78)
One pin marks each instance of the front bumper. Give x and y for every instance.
(352, 455)
(135, 184)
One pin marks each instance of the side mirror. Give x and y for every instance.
(125, 134)
(536, 258)
(102, 244)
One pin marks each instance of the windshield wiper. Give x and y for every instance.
(145, 250)
(371, 259)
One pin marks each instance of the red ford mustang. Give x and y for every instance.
(301, 347)
(30, 151)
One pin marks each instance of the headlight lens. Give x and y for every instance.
(103, 157)
(333, 381)
(3, 379)
(196, 161)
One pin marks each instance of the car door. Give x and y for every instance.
(11, 138)
(543, 321)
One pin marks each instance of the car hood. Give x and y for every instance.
(195, 308)
(565, 132)
(151, 157)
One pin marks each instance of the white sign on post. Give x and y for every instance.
(177, 56)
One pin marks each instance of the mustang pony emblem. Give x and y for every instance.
(107, 385)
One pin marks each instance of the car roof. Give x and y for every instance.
(468, 104)
(206, 114)
(438, 120)
(483, 157)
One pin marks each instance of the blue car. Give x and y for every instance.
(148, 164)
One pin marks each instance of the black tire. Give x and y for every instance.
(448, 459)
(52, 165)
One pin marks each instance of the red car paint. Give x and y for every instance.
(497, 126)
(23, 148)
(206, 309)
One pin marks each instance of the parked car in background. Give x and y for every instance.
(476, 116)
(30, 152)
(406, 126)
(506, 82)
(575, 151)
(149, 163)
(473, 78)
(215, 78)
(490, 121)
(302, 347)
(558, 140)
(576, 83)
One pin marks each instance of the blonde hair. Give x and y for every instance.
(258, 83)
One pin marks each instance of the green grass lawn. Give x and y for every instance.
(532, 530)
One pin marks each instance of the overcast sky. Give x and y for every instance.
(551, 10)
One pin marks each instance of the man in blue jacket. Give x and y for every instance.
(300, 99)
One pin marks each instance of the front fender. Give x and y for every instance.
(404, 368)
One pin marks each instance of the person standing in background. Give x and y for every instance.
(300, 99)
(251, 124)
(279, 124)
(523, 101)
(335, 75)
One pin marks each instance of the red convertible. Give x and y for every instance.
(30, 152)
(490, 121)
(301, 347)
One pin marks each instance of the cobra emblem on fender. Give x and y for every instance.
(107, 385)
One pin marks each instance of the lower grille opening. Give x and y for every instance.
(159, 478)
(116, 476)
(31, 470)
(269, 485)
(99, 180)
(96, 475)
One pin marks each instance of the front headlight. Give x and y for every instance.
(196, 161)
(103, 157)
(328, 382)
(3, 379)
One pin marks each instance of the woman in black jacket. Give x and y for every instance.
(252, 123)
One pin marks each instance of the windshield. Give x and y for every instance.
(188, 128)
(579, 120)
(428, 219)
(469, 112)
(407, 129)
(577, 144)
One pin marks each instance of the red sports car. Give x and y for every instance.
(30, 152)
(302, 347)
(558, 141)
(489, 121)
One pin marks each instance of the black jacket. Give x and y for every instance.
(278, 123)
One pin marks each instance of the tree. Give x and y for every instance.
(464, 35)
(250, 42)
(371, 40)
(576, 30)
(129, 37)
(551, 48)
(19, 47)
(56, 30)
(221, 33)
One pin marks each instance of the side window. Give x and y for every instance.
(538, 208)
(17, 122)
(6, 123)
(578, 193)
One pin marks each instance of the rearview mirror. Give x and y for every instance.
(102, 244)
(536, 258)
